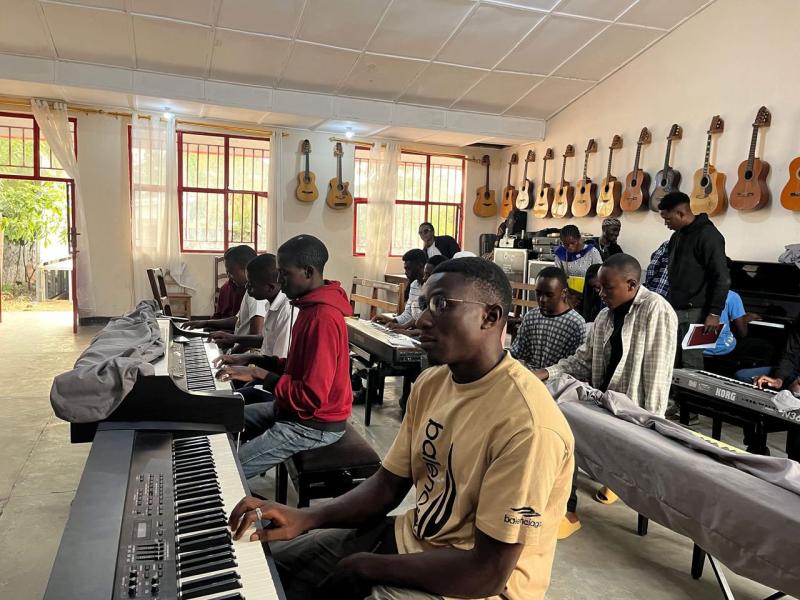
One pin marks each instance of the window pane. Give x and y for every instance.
(241, 213)
(361, 180)
(362, 209)
(16, 146)
(248, 164)
(261, 222)
(446, 179)
(203, 161)
(48, 163)
(407, 218)
(446, 218)
(203, 221)
(411, 177)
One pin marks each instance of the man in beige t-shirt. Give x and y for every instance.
(489, 455)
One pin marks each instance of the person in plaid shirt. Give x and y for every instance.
(630, 349)
(656, 278)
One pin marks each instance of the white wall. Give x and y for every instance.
(729, 60)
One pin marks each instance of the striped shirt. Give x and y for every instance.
(656, 278)
(644, 372)
(412, 312)
(543, 340)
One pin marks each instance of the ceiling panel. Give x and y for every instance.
(197, 11)
(227, 113)
(180, 107)
(440, 85)
(340, 127)
(97, 36)
(452, 138)
(25, 33)
(406, 134)
(28, 89)
(317, 68)
(287, 120)
(171, 47)
(248, 58)
(117, 4)
(489, 33)
(381, 76)
(402, 32)
(497, 92)
(345, 23)
(278, 17)
(608, 51)
(538, 4)
(550, 44)
(97, 97)
(657, 13)
(548, 97)
(597, 9)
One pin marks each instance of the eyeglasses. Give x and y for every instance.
(438, 303)
(421, 231)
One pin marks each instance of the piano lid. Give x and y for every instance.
(771, 289)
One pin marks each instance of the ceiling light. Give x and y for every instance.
(167, 115)
(349, 133)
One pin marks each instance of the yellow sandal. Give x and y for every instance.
(605, 496)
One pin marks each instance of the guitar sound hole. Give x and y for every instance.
(606, 188)
(633, 183)
(704, 182)
(583, 190)
(748, 174)
(663, 183)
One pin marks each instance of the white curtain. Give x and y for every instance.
(155, 235)
(55, 128)
(380, 212)
(276, 192)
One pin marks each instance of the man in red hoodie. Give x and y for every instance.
(311, 387)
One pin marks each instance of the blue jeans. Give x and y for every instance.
(277, 441)
(747, 375)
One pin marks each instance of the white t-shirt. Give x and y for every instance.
(432, 250)
(277, 327)
(412, 312)
(249, 308)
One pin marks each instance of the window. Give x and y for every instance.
(429, 188)
(222, 190)
(24, 151)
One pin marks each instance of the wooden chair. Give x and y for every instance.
(220, 277)
(159, 287)
(520, 304)
(372, 300)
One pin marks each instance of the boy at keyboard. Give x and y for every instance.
(414, 267)
(311, 386)
(487, 450)
(786, 375)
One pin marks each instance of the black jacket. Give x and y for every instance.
(447, 245)
(698, 269)
(789, 365)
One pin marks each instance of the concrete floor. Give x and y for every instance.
(40, 471)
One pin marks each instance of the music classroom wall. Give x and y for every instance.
(730, 59)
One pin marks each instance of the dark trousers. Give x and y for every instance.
(688, 359)
(572, 503)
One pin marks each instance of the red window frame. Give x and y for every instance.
(37, 134)
(426, 202)
(226, 191)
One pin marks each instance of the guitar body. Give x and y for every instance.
(585, 199)
(526, 197)
(541, 208)
(339, 196)
(708, 192)
(610, 195)
(485, 204)
(790, 196)
(306, 187)
(561, 207)
(509, 199)
(751, 191)
(637, 191)
(666, 182)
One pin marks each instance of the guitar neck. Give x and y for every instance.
(666, 156)
(563, 170)
(752, 156)
(508, 183)
(487, 180)
(308, 168)
(636, 161)
(339, 169)
(585, 166)
(525, 174)
(708, 156)
(544, 170)
(608, 170)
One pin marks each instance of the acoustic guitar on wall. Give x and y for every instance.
(790, 196)
(339, 196)
(637, 183)
(544, 199)
(751, 191)
(510, 193)
(485, 204)
(306, 180)
(526, 195)
(586, 194)
(667, 179)
(611, 188)
(708, 190)
(566, 192)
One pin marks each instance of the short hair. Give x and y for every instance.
(261, 267)
(592, 271)
(305, 251)
(570, 232)
(553, 273)
(240, 255)
(673, 200)
(416, 256)
(436, 260)
(624, 264)
(427, 224)
(487, 277)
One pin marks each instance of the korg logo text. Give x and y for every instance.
(725, 394)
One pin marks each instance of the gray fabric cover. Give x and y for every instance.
(106, 371)
(743, 509)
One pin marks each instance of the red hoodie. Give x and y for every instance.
(315, 385)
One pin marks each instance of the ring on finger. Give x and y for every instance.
(258, 514)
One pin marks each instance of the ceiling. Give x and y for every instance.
(515, 60)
